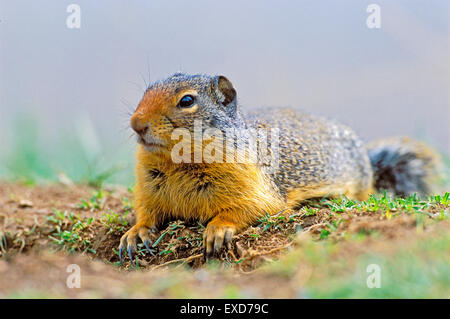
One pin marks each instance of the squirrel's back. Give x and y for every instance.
(320, 156)
(317, 156)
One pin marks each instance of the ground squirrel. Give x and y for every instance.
(316, 158)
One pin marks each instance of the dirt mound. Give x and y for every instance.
(83, 220)
(314, 250)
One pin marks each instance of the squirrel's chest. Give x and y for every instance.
(185, 192)
(181, 183)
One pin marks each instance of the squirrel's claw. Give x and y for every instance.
(147, 243)
(128, 240)
(215, 237)
(129, 253)
(123, 244)
(120, 255)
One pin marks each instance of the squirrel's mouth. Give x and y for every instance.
(150, 145)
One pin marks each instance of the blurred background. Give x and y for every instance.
(65, 94)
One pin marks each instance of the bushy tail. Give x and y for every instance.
(403, 166)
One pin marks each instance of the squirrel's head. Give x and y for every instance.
(177, 102)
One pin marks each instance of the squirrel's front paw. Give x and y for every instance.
(129, 239)
(217, 234)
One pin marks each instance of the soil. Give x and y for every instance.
(32, 259)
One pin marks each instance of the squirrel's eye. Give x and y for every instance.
(186, 101)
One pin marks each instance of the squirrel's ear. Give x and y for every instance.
(225, 91)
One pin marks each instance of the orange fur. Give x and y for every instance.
(352, 191)
(238, 193)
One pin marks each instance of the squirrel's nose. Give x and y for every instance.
(138, 126)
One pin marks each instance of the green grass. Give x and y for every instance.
(386, 203)
(95, 202)
(67, 232)
(115, 222)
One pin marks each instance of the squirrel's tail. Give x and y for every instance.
(403, 166)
